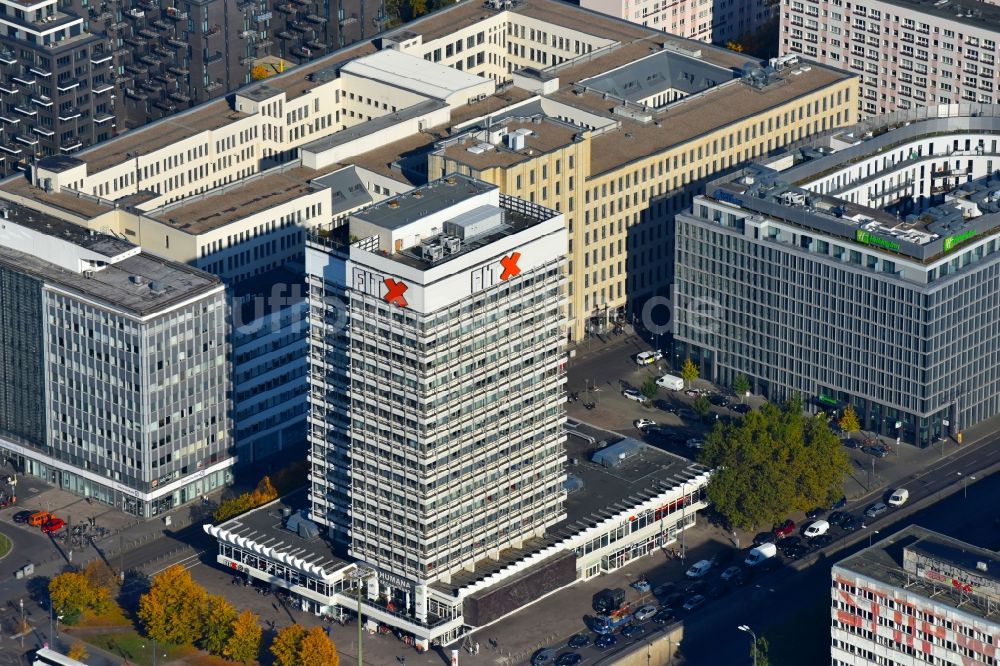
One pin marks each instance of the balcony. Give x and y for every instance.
(102, 117)
(285, 8)
(313, 18)
(8, 58)
(42, 101)
(10, 120)
(10, 150)
(100, 88)
(66, 86)
(214, 30)
(151, 86)
(73, 145)
(177, 43)
(27, 140)
(41, 131)
(179, 97)
(175, 15)
(149, 34)
(177, 71)
(69, 114)
(99, 58)
(266, 16)
(40, 72)
(160, 24)
(24, 79)
(135, 94)
(136, 42)
(26, 111)
(165, 106)
(164, 53)
(8, 89)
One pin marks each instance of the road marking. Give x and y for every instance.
(189, 562)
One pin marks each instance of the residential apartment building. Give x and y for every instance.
(861, 270)
(715, 21)
(909, 54)
(116, 367)
(917, 596)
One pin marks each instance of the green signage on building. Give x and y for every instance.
(868, 238)
(951, 241)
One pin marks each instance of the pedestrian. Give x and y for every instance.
(274, 605)
(477, 647)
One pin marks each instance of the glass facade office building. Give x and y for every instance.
(792, 278)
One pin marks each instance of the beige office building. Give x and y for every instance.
(611, 123)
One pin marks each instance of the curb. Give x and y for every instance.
(10, 542)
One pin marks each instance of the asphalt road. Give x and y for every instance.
(711, 637)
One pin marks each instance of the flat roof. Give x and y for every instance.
(606, 491)
(970, 12)
(265, 527)
(49, 225)
(542, 137)
(656, 73)
(412, 73)
(435, 196)
(116, 283)
(202, 213)
(86, 206)
(886, 562)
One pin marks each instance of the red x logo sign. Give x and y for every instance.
(510, 268)
(394, 293)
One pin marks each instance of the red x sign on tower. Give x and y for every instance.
(394, 293)
(510, 268)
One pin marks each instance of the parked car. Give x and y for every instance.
(731, 573)
(796, 551)
(633, 630)
(839, 504)
(876, 510)
(813, 514)
(695, 602)
(686, 414)
(816, 529)
(699, 569)
(568, 659)
(648, 358)
(762, 538)
(790, 542)
(822, 541)
(642, 585)
(632, 394)
(760, 554)
(604, 641)
(663, 616)
(642, 424)
(852, 523)
(579, 641)
(877, 451)
(741, 408)
(837, 518)
(22, 516)
(665, 406)
(53, 525)
(695, 443)
(785, 529)
(39, 518)
(643, 613)
(742, 578)
(899, 497)
(719, 400)
(664, 590)
(850, 442)
(545, 656)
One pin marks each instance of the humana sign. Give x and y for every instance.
(868, 238)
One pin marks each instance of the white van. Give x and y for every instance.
(670, 382)
(899, 497)
(764, 551)
(817, 528)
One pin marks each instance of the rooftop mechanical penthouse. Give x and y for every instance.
(864, 269)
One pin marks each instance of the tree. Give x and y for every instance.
(649, 388)
(100, 574)
(849, 421)
(234, 506)
(772, 462)
(689, 372)
(417, 8)
(217, 624)
(71, 594)
(759, 650)
(78, 651)
(701, 406)
(245, 640)
(741, 386)
(734, 46)
(285, 646)
(317, 649)
(259, 73)
(173, 609)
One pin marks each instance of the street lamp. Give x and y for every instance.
(870, 535)
(965, 488)
(359, 576)
(21, 630)
(748, 630)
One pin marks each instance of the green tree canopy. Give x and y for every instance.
(741, 385)
(217, 620)
(701, 406)
(649, 388)
(689, 371)
(774, 461)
